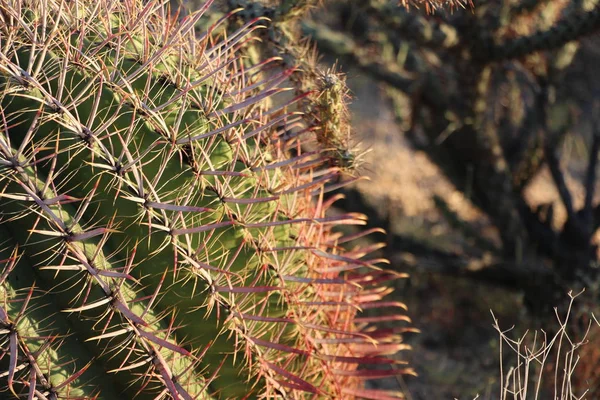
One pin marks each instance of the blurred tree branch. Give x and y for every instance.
(567, 29)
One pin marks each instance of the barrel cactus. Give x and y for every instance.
(163, 227)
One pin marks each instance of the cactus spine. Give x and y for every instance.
(158, 239)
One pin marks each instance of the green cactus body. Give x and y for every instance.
(150, 202)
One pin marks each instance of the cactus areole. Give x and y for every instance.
(162, 234)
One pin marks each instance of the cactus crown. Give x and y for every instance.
(162, 235)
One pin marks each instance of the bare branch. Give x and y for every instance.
(590, 180)
(567, 29)
(559, 179)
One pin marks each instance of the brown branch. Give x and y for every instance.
(559, 179)
(597, 217)
(570, 28)
(550, 152)
(590, 180)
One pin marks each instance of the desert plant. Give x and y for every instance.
(539, 365)
(162, 234)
